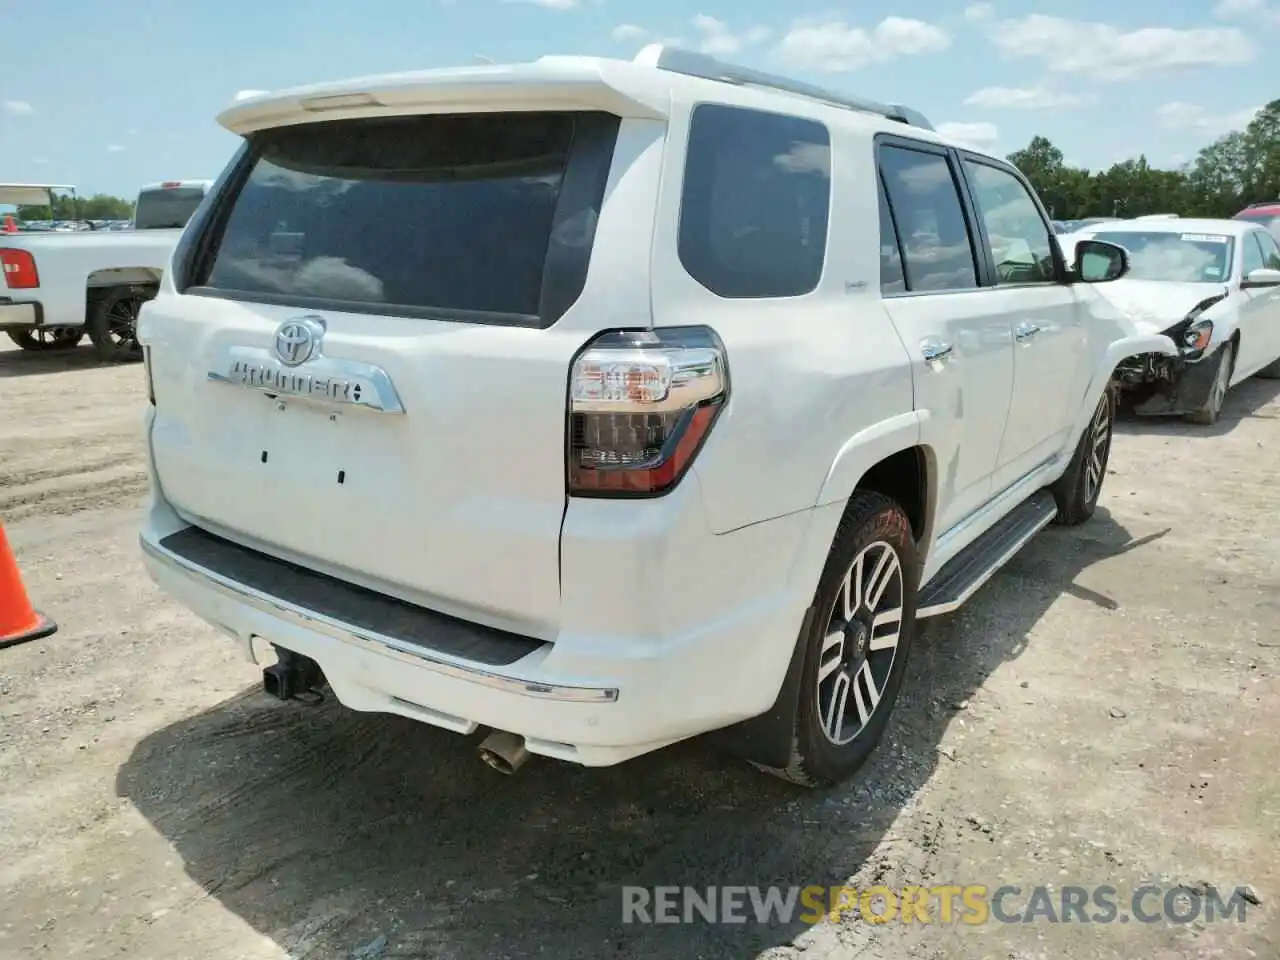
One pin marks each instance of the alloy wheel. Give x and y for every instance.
(122, 322)
(1099, 438)
(1221, 380)
(860, 643)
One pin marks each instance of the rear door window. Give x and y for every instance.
(936, 246)
(892, 278)
(478, 217)
(755, 203)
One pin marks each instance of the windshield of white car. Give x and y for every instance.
(166, 209)
(1173, 257)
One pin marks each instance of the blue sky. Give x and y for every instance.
(107, 96)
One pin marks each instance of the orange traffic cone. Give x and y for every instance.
(19, 621)
(10, 225)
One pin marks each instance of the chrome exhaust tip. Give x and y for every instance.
(504, 752)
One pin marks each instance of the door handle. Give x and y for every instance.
(1025, 331)
(934, 349)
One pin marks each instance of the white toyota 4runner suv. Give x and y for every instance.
(583, 402)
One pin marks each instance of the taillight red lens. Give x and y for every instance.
(641, 404)
(19, 269)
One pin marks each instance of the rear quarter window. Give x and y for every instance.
(477, 217)
(755, 202)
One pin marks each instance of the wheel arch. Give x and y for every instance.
(892, 462)
(889, 458)
(123, 277)
(1105, 368)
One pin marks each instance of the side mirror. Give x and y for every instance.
(1262, 277)
(1098, 261)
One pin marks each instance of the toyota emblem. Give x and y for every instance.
(296, 340)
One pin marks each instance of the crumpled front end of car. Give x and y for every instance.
(1155, 385)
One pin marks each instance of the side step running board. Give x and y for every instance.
(964, 573)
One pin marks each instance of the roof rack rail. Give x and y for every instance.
(691, 64)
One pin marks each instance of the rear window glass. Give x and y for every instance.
(753, 215)
(451, 216)
(166, 209)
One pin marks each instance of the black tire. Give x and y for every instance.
(870, 521)
(1076, 491)
(113, 323)
(46, 339)
(1207, 415)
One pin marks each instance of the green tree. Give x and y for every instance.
(1239, 168)
(100, 206)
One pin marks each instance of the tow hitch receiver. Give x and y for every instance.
(293, 677)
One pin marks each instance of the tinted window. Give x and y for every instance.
(1252, 254)
(1019, 238)
(166, 209)
(753, 215)
(892, 279)
(454, 216)
(1270, 251)
(931, 226)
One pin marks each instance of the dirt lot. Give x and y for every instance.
(1105, 712)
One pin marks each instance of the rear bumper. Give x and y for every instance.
(21, 316)
(592, 700)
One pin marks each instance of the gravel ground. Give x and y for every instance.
(1105, 711)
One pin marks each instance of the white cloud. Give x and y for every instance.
(717, 39)
(16, 108)
(114, 148)
(1256, 10)
(627, 32)
(980, 11)
(1225, 9)
(1177, 115)
(834, 46)
(550, 4)
(1024, 98)
(1107, 53)
(40, 160)
(980, 135)
(630, 33)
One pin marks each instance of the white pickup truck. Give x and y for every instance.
(60, 286)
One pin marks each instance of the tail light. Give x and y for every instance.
(19, 269)
(641, 405)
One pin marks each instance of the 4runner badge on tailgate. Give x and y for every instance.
(295, 367)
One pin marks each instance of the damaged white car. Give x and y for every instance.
(1213, 287)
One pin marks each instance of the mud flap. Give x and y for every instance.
(766, 739)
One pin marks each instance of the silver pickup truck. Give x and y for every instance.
(59, 286)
